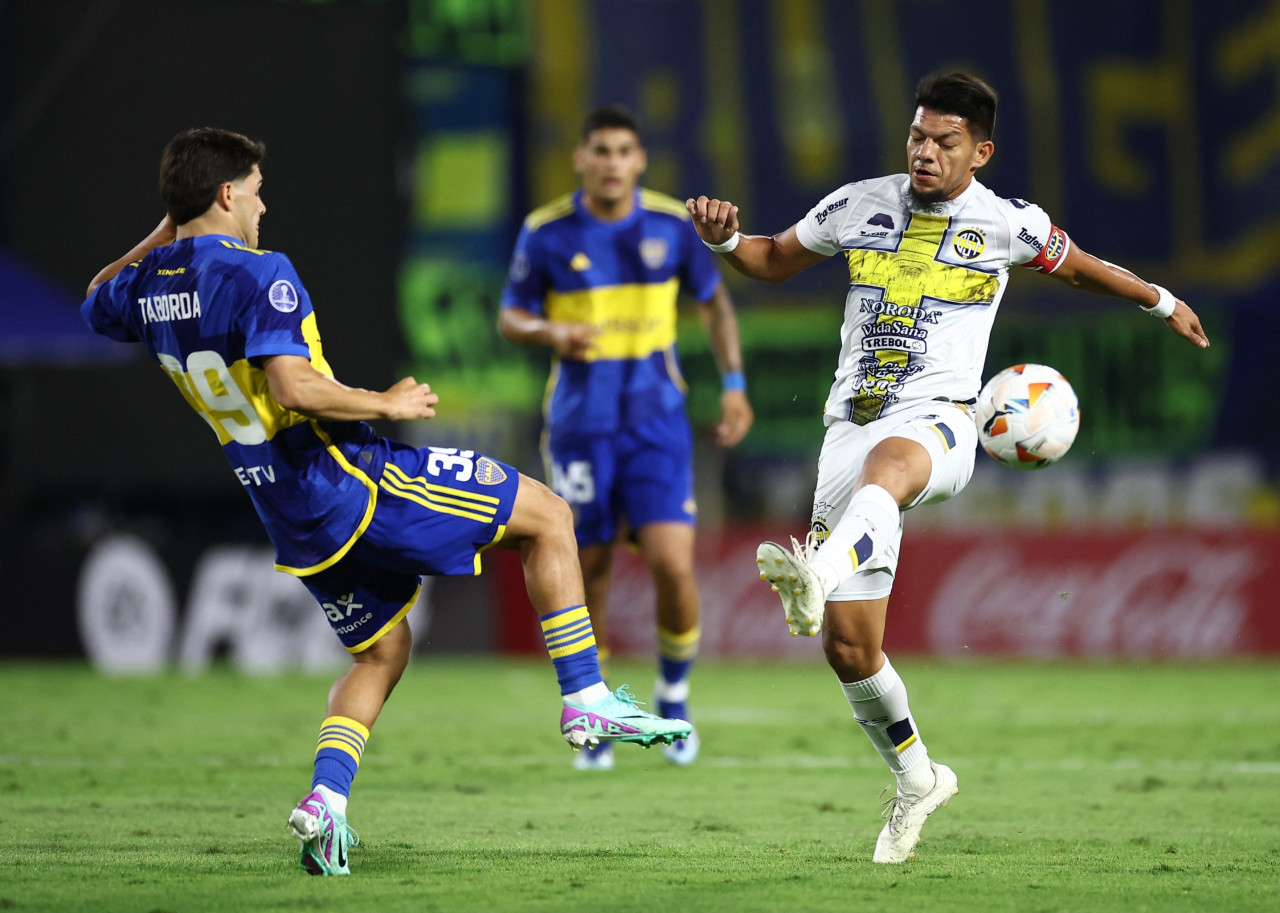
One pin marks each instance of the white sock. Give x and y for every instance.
(336, 801)
(880, 706)
(870, 519)
(664, 690)
(588, 695)
(918, 780)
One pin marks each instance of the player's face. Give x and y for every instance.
(942, 155)
(247, 206)
(610, 162)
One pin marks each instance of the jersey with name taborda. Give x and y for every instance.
(209, 309)
(924, 286)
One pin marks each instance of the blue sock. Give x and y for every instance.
(338, 753)
(572, 645)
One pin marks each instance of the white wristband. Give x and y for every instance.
(727, 246)
(1164, 307)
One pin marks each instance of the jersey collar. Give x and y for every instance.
(945, 208)
(619, 223)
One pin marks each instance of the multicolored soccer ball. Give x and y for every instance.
(1027, 416)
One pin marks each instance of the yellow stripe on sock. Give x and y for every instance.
(679, 647)
(907, 744)
(569, 649)
(564, 618)
(344, 734)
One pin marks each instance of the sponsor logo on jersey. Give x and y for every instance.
(653, 251)
(580, 262)
(1031, 240)
(489, 473)
(883, 219)
(1019, 204)
(283, 296)
(874, 234)
(969, 243)
(821, 215)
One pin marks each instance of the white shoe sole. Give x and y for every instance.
(778, 568)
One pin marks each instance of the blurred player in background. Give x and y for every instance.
(928, 254)
(355, 516)
(595, 276)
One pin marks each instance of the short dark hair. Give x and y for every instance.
(197, 162)
(963, 95)
(611, 116)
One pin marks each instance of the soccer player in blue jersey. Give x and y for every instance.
(595, 276)
(357, 517)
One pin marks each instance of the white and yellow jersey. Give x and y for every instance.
(924, 286)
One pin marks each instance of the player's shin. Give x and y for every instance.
(571, 643)
(338, 752)
(869, 521)
(880, 706)
(676, 653)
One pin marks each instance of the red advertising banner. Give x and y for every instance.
(1154, 593)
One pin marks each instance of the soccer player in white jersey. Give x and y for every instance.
(928, 254)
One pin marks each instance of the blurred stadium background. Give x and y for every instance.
(407, 140)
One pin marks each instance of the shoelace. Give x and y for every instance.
(893, 809)
(804, 551)
(627, 696)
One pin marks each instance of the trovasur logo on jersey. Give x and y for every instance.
(969, 243)
(283, 296)
(653, 251)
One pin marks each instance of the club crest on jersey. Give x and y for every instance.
(969, 243)
(580, 262)
(489, 473)
(653, 251)
(1053, 249)
(283, 296)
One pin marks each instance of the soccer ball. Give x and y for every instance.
(1027, 416)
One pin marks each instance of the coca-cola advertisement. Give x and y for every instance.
(1158, 593)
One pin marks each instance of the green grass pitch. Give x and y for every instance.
(1083, 787)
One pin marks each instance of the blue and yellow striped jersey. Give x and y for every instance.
(209, 309)
(623, 278)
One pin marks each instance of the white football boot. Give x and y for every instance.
(907, 814)
(790, 576)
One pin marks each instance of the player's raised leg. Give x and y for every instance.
(541, 528)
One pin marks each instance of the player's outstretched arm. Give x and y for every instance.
(296, 385)
(523, 327)
(161, 235)
(1085, 271)
(774, 259)
(721, 321)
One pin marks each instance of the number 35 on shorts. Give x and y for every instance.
(574, 482)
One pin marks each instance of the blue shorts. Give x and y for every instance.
(437, 510)
(642, 474)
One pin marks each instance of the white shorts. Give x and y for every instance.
(946, 430)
